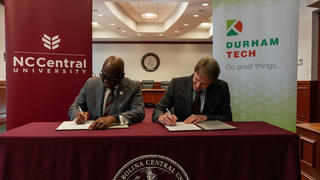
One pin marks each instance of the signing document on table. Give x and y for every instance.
(72, 125)
(206, 125)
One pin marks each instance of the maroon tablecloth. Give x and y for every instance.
(256, 150)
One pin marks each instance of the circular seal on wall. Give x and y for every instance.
(150, 62)
(151, 167)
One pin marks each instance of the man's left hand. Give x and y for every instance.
(102, 123)
(195, 119)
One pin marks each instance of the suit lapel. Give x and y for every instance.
(119, 96)
(189, 91)
(210, 98)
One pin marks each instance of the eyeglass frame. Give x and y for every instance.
(113, 80)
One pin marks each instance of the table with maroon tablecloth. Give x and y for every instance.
(255, 151)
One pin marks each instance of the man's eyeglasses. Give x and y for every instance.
(113, 80)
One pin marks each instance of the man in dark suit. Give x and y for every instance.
(196, 98)
(110, 98)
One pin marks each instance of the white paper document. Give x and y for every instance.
(72, 125)
(181, 126)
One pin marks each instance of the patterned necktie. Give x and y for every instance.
(109, 102)
(196, 104)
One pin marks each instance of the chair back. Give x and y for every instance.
(165, 84)
(147, 84)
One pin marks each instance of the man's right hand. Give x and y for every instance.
(167, 119)
(80, 118)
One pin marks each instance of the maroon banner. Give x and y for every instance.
(49, 57)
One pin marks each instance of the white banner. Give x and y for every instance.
(255, 43)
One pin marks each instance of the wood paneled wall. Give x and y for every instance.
(307, 95)
(2, 102)
(309, 150)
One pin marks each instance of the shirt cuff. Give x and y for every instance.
(123, 120)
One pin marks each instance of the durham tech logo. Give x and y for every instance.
(51, 43)
(234, 27)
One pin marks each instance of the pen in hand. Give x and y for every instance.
(171, 118)
(84, 116)
(168, 112)
(79, 108)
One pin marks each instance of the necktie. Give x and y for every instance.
(109, 102)
(196, 104)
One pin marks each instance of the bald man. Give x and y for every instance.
(110, 98)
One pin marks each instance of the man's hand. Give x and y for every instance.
(195, 119)
(81, 118)
(167, 119)
(102, 122)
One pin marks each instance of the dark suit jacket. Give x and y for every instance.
(128, 100)
(179, 96)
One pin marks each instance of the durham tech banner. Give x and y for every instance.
(255, 42)
(48, 48)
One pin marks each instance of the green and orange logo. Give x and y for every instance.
(234, 27)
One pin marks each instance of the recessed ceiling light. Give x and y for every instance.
(160, 34)
(176, 31)
(94, 23)
(139, 34)
(186, 24)
(111, 24)
(123, 31)
(100, 15)
(149, 16)
(205, 25)
(205, 4)
(196, 15)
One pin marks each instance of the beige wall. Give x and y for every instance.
(307, 45)
(175, 59)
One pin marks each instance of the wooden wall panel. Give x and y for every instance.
(307, 105)
(2, 102)
(302, 104)
(309, 148)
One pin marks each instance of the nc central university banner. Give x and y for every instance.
(255, 42)
(48, 47)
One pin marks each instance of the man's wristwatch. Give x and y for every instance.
(117, 118)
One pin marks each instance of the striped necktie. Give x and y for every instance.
(109, 102)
